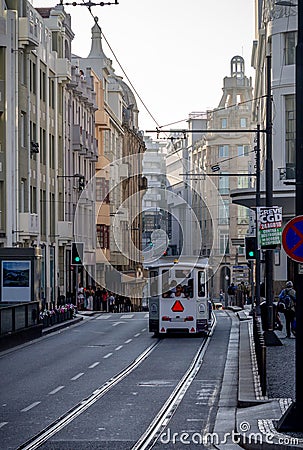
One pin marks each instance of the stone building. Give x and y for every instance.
(119, 229)
(47, 141)
(221, 162)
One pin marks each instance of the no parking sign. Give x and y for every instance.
(292, 239)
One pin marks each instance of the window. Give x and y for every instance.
(243, 215)
(290, 47)
(223, 243)
(224, 183)
(223, 151)
(52, 94)
(243, 181)
(33, 78)
(290, 128)
(23, 129)
(201, 284)
(224, 212)
(103, 236)
(224, 123)
(243, 150)
(243, 122)
(102, 190)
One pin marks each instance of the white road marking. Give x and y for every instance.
(128, 341)
(107, 356)
(56, 390)
(127, 316)
(146, 316)
(117, 323)
(143, 329)
(77, 376)
(119, 347)
(30, 407)
(106, 316)
(2, 424)
(137, 334)
(94, 365)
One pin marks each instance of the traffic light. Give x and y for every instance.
(81, 182)
(250, 247)
(77, 253)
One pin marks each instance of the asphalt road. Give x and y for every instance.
(42, 381)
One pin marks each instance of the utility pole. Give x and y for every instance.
(292, 419)
(258, 203)
(270, 337)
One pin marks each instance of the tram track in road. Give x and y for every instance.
(149, 438)
(57, 425)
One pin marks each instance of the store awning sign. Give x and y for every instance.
(269, 221)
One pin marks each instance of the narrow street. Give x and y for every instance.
(80, 359)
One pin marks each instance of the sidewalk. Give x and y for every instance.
(256, 416)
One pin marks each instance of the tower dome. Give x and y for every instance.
(237, 67)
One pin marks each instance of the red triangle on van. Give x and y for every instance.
(177, 306)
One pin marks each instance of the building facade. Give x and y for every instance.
(274, 50)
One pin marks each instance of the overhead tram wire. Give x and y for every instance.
(141, 100)
(131, 84)
(123, 71)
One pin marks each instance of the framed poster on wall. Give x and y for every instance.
(16, 281)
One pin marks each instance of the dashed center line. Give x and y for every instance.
(30, 407)
(2, 424)
(137, 334)
(56, 390)
(94, 365)
(119, 347)
(128, 341)
(107, 356)
(143, 329)
(77, 376)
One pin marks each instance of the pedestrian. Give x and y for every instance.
(287, 305)
(111, 302)
(90, 298)
(128, 305)
(104, 300)
(231, 291)
(98, 299)
(80, 299)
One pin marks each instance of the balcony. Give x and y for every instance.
(2, 96)
(65, 231)
(27, 35)
(29, 224)
(64, 69)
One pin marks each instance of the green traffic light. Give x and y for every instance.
(251, 253)
(77, 259)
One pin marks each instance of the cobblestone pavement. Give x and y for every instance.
(281, 366)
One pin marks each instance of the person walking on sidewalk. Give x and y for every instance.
(287, 305)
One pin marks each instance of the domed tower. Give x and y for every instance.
(237, 67)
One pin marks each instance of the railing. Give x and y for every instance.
(260, 350)
(15, 317)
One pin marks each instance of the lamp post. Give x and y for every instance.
(292, 419)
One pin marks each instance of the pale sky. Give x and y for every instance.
(175, 52)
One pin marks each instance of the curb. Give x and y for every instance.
(61, 325)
